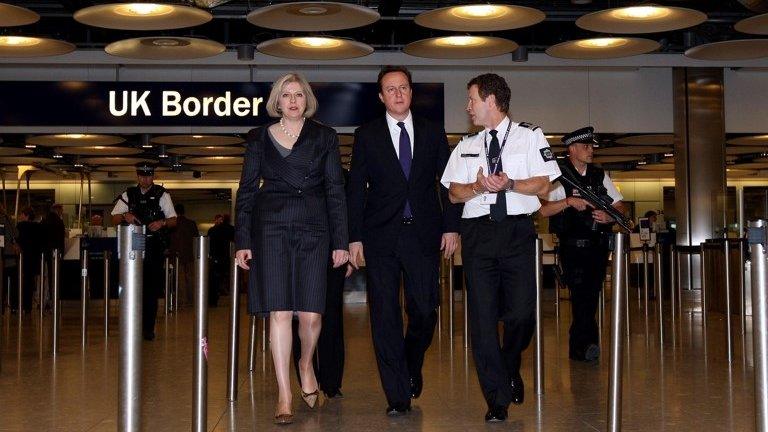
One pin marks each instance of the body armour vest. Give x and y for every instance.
(572, 223)
(146, 206)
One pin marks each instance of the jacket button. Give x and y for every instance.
(298, 191)
(306, 177)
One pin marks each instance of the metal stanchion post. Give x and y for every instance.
(626, 288)
(758, 240)
(450, 299)
(55, 279)
(616, 347)
(465, 300)
(742, 290)
(557, 283)
(41, 289)
(167, 283)
(645, 279)
(131, 258)
(21, 286)
(538, 379)
(728, 323)
(107, 256)
(659, 283)
(84, 297)
(252, 344)
(234, 333)
(200, 398)
(703, 287)
(175, 303)
(673, 290)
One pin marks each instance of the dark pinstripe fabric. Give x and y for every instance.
(291, 222)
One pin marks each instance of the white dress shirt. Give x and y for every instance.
(525, 155)
(394, 131)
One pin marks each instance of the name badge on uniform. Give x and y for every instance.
(470, 155)
(487, 198)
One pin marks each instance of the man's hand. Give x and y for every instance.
(242, 257)
(356, 254)
(601, 216)
(449, 243)
(130, 218)
(339, 257)
(156, 225)
(498, 182)
(480, 185)
(579, 204)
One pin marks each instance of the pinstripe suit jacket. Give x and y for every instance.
(378, 188)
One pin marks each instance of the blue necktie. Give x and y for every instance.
(498, 210)
(405, 161)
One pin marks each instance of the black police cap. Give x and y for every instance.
(585, 135)
(145, 169)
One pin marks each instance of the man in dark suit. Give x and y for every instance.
(397, 214)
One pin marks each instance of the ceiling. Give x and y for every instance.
(394, 30)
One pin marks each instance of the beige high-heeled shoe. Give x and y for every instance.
(310, 398)
(283, 418)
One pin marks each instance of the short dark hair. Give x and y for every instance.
(179, 209)
(492, 84)
(650, 213)
(390, 69)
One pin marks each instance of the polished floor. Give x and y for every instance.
(687, 385)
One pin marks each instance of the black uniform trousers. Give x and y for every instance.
(329, 358)
(499, 265)
(584, 273)
(154, 274)
(400, 358)
(218, 279)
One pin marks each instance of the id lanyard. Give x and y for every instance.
(497, 160)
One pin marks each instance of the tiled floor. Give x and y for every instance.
(688, 386)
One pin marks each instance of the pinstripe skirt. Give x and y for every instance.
(290, 269)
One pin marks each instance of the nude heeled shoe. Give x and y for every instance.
(310, 398)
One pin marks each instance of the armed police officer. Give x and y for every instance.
(150, 205)
(583, 234)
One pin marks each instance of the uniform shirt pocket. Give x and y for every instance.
(515, 166)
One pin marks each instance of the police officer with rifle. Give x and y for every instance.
(150, 205)
(583, 204)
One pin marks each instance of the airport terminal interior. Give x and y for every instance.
(676, 94)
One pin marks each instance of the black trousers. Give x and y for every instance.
(218, 279)
(154, 274)
(499, 265)
(399, 358)
(584, 273)
(329, 357)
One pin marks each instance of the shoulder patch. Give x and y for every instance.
(530, 126)
(546, 154)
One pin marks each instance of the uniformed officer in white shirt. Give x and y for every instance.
(583, 234)
(498, 235)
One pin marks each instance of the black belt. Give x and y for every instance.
(508, 217)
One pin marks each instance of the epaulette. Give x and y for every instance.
(471, 134)
(530, 126)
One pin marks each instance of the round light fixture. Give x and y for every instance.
(742, 49)
(197, 140)
(74, 139)
(602, 48)
(19, 41)
(165, 48)
(22, 46)
(460, 47)
(480, 17)
(142, 16)
(313, 16)
(314, 48)
(641, 19)
(753, 25)
(12, 16)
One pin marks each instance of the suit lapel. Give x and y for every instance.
(389, 149)
(288, 168)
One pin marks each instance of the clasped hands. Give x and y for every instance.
(493, 183)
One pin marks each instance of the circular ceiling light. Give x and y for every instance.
(753, 165)
(657, 167)
(313, 16)
(653, 140)
(142, 16)
(208, 151)
(641, 19)
(14, 151)
(314, 48)
(753, 25)
(75, 139)
(460, 47)
(12, 16)
(22, 160)
(480, 17)
(115, 160)
(129, 168)
(615, 159)
(753, 140)
(626, 151)
(197, 140)
(22, 46)
(743, 49)
(602, 48)
(734, 150)
(98, 150)
(165, 48)
(214, 160)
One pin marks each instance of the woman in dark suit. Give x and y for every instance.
(287, 225)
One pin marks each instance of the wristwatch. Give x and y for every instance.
(511, 185)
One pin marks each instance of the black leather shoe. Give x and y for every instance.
(416, 385)
(592, 353)
(518, 390)
(334, 394)
(398, 410)
(496, 414)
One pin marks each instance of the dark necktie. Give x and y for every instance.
(405, 161)
(498, 210)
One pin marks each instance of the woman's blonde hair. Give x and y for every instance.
(273, 107)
